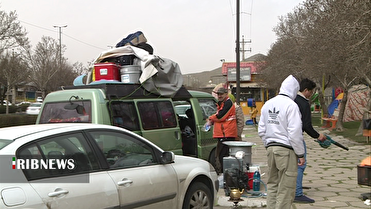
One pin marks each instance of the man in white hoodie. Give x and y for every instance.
(280, 128)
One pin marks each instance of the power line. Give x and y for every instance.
(63, 34)
(84, 42)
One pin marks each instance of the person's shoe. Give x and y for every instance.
(303, 199)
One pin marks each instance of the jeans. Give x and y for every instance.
(299, 179)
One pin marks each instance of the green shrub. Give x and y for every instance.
(12, 109)
(16, 120)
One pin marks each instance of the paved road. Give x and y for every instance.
(331, 173)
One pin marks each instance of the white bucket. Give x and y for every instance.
(130, 73)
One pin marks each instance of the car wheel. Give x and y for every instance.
(198, 196)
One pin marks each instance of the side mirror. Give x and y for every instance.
(167, 157)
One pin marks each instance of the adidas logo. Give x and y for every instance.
(273, 114)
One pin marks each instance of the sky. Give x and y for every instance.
(197, 34)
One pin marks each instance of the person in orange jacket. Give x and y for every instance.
(225, 126)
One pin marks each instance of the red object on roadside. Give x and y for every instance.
(364, 172)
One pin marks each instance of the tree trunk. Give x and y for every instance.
(339, 123)
(322, 102)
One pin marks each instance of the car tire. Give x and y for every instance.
(198, 196)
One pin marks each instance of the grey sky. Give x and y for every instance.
(196, 34)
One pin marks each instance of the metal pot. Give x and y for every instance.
(235, 194)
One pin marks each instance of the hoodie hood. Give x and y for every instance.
(290, 87)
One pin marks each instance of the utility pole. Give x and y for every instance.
(238, 52)
(60, 43)
(243, 47)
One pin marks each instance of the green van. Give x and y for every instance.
(174, 124)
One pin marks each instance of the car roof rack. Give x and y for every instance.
(116, 91)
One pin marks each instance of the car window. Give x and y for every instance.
(66, 112)
(159, 114)
(4, 143)
(124, 115)
(62, 149)
(124, 151)
(208, 107)
(35, 105)
(181, 110)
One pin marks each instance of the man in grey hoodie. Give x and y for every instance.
(280, 128)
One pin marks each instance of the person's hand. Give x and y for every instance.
(322, 137)
(209, 122)
(301, 161)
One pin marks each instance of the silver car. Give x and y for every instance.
(97, 166)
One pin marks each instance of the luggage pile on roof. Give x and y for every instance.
(133, 62)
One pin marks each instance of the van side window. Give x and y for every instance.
(208, 107)
(157, 115)
(124, 115)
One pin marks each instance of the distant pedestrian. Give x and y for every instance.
(280, 128)
(254, 113)
(305, 92)
(225, 126)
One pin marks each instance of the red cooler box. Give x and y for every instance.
(106, 71)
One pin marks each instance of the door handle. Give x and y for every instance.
(125, 182)
(57, 192)
(177, 135)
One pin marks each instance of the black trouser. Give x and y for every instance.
(222, 150)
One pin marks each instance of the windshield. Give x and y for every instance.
(35, 105)
(66, 112)
(4, 143)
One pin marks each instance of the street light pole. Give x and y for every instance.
(238, 52)
(60, 43)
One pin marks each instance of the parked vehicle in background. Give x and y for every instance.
(23, 103)
(5, 101)
(34, 108)
(133, 108)
(104, 167)
(39, 99)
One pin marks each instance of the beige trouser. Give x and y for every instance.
(283, 170)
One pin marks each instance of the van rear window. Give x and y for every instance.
(66, 112)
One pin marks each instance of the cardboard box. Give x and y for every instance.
(106, 71)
